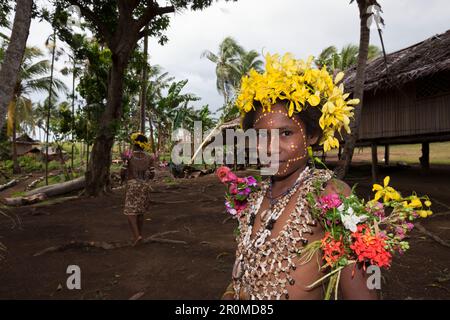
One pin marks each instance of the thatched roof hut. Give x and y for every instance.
(423, 59)
(409, 101)
(25, 144)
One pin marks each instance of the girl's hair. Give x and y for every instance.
(309, 116)
(140, 138)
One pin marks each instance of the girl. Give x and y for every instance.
(139, 172)
(306, 107)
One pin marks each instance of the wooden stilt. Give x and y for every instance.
(425, 158)
(386, 154)
(374, 162)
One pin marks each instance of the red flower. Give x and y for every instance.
(332, 250)
(225, 175)
(370, 247)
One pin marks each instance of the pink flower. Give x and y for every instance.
(376, 208)
(251, 181)
(231, 177)
(409, 226)
(240, 205)
(233, 189)
(329, 201)
(400, 233)
(241, 180)
(223, 174)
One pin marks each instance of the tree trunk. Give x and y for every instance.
(152, 138)
(16, 166)
(98, 173)
(73, 113)
(50, 91)
(358, 91)
(144, 83)
(159, 137)
(10, 68)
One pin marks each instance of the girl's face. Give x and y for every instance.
(293, 142)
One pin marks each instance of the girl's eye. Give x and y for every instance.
(286, 133)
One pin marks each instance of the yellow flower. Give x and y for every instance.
(388, 193)
(422, 213)
(338, 77)
(428, 203)
(296, 82)
(314, 99)
(415, 202)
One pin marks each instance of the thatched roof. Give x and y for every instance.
(26, 139)
(420, 60)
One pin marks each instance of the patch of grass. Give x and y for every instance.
(18, 194)
(170, 181)
(409, 153)
(51, 180)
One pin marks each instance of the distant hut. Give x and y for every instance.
(409, 102)
(26, 145)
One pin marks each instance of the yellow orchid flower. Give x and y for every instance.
(388, 193)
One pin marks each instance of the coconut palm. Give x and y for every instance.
(32, 78)
(342, 60)
(158, 82)
(225, 58)
(244, 62)
(358, 91)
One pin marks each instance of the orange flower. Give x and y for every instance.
(332, 250)
(370, 247)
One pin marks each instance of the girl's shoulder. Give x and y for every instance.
(330, 183)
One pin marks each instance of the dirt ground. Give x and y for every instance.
(201, 268)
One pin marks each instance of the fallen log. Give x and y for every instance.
(35, 182)
(21, 201)
(45, 192)
(9, 184)
(59, 188)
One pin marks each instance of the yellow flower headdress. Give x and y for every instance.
(301, 86)
(143, 145)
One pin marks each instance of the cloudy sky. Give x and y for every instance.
(302, 27)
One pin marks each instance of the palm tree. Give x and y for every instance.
(157, 82)
(358, 91)
(346, 58)
(31, 79)
(225, 58)
(172, 111)
(9, 72)
(244, 62)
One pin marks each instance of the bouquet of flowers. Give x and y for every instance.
(126, 155)
(237, 190)
(362, 232)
